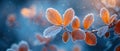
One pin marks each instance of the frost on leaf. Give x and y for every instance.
(76, 48)
(23, 46)
(65, 37)
(101, 31)
(109, 3)
(53, 16)
(68, 16)
(76, 23)
(15, 47)
(51, 31)
(91, 39)
(112, 18)
(78, 35)
(10, 50)
(88, 20)
(117, 27)
(117, 48)
(105, 15)
(41, 39)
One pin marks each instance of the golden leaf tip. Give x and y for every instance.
(90, 15)
(103, 9)
(70, 9)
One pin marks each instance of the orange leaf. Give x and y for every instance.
(107, 35)
(117, 27)
(42, 39)
(39, 37)
(68, 16)
(111, 3)
(23, 46)
(53, 48)
(29, 12)
(76, 23)
(25, 12)
(76, 48)
(44, 49)
(53, 16)
(11, 18)
(117, 48)
(65, 37)
(112, 18)
(88, 20)
(104, 14)
(90, 39)
(78, 35)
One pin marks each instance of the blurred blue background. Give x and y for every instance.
(26, 29)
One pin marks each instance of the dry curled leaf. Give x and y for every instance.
(90, 39)
(78, 35)
(65, 37)
(105, 15)
(76, 23)
(88, 20)
(53, 16)
(68, 16)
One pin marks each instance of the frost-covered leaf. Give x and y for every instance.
(23, 46)
(44, 49)
(117, 48)
(105, 15)
(14, 46)
(53, 48)
(41, 39)
(65, 37)
(10, 50)
(109, 3)
(53, 16)
(101, 31)
(76, 48)
(91, 39)
(78, 35)
(112, 18)
(117, 27)
(107, 34)
(68, 16)
(76, 23)
(88, 20)
(51, 31)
